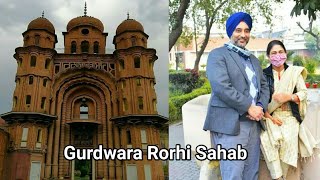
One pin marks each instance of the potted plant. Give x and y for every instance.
(307, 84)
(315, 85)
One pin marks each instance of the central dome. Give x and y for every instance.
(129, 25)
(85, 20)
(41, 23)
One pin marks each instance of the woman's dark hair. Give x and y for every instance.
(272, 43)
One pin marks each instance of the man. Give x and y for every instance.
(239, 98)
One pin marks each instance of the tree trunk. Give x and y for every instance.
(209, 23)
(177, 29)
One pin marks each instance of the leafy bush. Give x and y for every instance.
(182, 82)
(176, 102)
(263, 61)
(313, 78)
(311, 65)
(297, 61)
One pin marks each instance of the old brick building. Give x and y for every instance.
(82, 97)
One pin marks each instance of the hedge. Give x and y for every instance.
(176, 102)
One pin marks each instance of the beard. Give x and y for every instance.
(239, 44)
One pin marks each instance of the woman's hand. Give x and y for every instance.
(281, 97)
(276, 121)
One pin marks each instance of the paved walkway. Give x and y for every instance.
(181, 170)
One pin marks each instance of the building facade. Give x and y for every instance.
(82, 97)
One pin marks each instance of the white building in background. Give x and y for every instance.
(293, 40)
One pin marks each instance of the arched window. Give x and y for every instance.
(43, 102)
(28, 99)
(73, 47)
(121, 63)
(137, 62)
(47, 63)
(84, 111)
(125, 104)
(154, 102)
(19, 62)
(15, 100)
(33, 61)
(96, 47)
(138, 81)
(144, 42)
(45, 82)
(37, 40)
(30, 79)
(140, 103)
(133, 41)
(84, 46)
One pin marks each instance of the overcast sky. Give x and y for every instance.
(15, 16)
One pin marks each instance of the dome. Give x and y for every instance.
(85, 20)
(129, 25)
(41, 23)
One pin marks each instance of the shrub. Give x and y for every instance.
(176, 102)
(297, 61)
(184, 81)
(311, 65)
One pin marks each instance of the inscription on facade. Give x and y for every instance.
(106, 66)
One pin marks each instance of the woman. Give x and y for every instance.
(285, 137)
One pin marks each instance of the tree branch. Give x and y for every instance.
(177, 29)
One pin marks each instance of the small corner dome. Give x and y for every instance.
(129, 25)
(41, 23)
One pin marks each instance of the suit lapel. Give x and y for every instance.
(237, 60)
(256, 67)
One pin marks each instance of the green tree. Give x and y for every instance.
(263, 61)
(310, 7)
(312, 36)
(205, 13)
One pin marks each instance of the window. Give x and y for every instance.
(30, 79)
(129, 143)
(33, 61)
(39, 138)
(19, 62)
(154, 102)
(47, 63)
(56, 69)
(45, 82)
(143, 41)
(84, 111)
(123, 84)
(125, 104)
(140, 103)
(28, 99)
(43, 102)
(85, 31)
(24, 137)
(37, 40)
(132, 172)
(133, 41)
(73, 47)
(96, 47)
(121, 63)
(147, 172)
(138, 81)
(144, 142)
(15, 100)
(137, 62)
(18, 81)
(84, 46)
